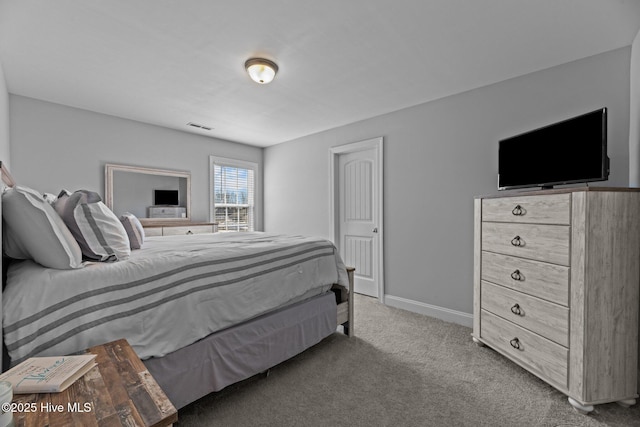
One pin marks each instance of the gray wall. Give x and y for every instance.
(438, 156)
(4, 120)
(55, 147)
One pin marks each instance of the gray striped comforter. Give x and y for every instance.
(169, 294)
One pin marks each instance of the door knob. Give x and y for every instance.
(375, 229)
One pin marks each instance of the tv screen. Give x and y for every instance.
(570, 151)
(165, 197)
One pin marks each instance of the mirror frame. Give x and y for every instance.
(109, 170)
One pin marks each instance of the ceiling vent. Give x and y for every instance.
(196, 125)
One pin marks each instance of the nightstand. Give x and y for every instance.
(119, 391)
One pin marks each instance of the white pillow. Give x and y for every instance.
(33, 230)
(134, 229)
(95, 227)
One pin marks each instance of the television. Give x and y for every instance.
(566, 152)
(165, 198)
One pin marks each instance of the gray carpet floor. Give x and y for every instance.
(401, 369)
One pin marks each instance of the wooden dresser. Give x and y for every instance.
(178, 228)
(556, 288)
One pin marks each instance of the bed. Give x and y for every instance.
(201, 311)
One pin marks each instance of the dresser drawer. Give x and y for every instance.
(166, 212)
(542, 317)
(543, 209)
(540, 279)
(549, 243)
(537, 354)
(193, 229)
(152, 231)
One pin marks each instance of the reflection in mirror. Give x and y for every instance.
(152, 195)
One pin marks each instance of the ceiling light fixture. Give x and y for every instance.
(261, 70)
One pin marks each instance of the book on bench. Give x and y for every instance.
(48, 374)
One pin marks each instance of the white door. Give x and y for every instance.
(359, 211)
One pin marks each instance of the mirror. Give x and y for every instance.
(152, 195)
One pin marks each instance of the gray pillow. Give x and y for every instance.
(134, 229)
(33, 230)
(95, 227)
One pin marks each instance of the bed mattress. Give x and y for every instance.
(173, 292)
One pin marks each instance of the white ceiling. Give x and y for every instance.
(169, 62)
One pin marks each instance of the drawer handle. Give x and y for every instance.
(515, 343)
(517, 241)
(519, 210)
(517, 310)
(516, 275)
(189, 232)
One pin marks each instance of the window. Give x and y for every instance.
(233, 198)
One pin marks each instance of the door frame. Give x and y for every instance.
(334, 203)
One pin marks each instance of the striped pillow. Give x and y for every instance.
(96, 228)
(134, 230)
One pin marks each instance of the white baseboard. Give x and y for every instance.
(442, 313)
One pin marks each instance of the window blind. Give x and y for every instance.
(234, 189)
